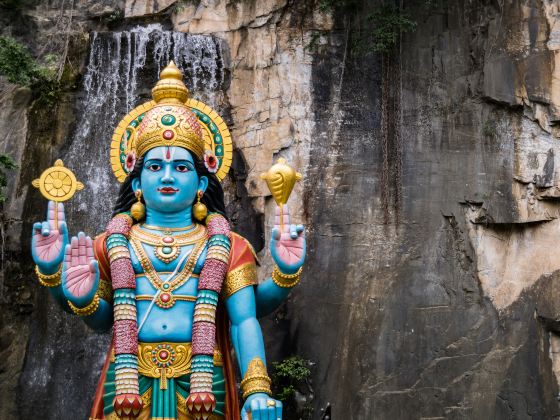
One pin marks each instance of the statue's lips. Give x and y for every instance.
(168, 190)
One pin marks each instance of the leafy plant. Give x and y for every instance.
(6, 163)
(115, 17)
(289, 373)
(388, 22)
(19, 67)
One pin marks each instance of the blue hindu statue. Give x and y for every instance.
(177, 287)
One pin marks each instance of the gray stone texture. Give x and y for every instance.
(448, 311)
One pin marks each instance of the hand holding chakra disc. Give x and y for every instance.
(56, 184)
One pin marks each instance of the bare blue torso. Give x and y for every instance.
(165, 324)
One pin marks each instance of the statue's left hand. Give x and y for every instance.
(287, 245)
(260, 406)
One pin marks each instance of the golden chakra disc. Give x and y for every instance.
(58, 183)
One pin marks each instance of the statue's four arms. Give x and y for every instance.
(160, 283)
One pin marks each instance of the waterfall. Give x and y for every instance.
(121, 70)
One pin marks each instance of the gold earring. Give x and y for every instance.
(199, 209)
(138, 211)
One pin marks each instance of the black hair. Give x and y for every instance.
(213, 197)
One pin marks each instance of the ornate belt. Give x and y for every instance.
(167, 360)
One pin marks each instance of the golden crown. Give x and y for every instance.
(171, 119)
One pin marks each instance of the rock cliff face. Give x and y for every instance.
(449, 310)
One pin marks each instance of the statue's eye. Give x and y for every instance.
(154, 167)
(182, 168)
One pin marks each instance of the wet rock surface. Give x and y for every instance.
(448, 311)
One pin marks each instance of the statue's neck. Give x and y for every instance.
(180, 219)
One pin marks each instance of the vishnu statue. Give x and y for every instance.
(177, 287)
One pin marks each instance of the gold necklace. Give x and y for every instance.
(170, 229)
(165, 298)
(168, 247)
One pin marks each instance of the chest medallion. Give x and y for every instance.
(167, 246)
(164, 297)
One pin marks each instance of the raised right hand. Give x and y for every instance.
(48, 241)
(80, 272)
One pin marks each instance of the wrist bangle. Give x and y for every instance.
(89, 309)
(285, 280)
(49, 280)
(256, 379)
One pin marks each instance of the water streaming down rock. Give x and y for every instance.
(122, 68)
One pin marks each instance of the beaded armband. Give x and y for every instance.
(87, 310)
(285, 280)
(49, 280)
(256, 379)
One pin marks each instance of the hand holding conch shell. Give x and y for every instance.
(287, 245)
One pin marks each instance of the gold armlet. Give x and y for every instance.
(256, 379)
(285, 280)
(88, 310)
(49, 280)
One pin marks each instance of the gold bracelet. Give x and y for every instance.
(285, 280)
(256, 379)
(49, 280)
(89, 309)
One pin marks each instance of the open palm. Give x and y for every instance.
(287, 245)
(49, 239)
(80, 273)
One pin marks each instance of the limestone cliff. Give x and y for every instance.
(444, 308)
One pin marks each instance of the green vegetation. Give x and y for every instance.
(380, 29)
(290, 373)
(6, 163)
(115, 17)
(388, 22)
(19, 67)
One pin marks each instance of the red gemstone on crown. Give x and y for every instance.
(163, 355)
(168, 134)
(168, 240)
(165, 297)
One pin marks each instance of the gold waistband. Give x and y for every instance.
(187, 298)
(168, 360)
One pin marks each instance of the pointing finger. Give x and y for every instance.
(61, 214)
(50, 208)
(284, 220)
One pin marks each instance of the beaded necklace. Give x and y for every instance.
(201, 402)
(164, 289)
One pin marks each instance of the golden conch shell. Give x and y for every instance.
(58, 183)
(281, 179)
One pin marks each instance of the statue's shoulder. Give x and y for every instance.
(242, 269)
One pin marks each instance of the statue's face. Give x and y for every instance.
(168, 180)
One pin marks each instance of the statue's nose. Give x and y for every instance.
(167, 177)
